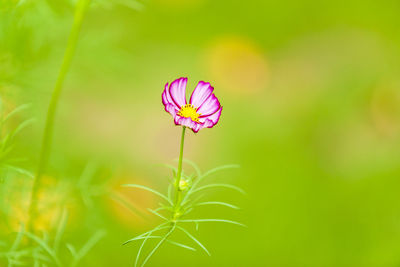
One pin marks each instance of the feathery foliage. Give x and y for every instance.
(176, 217)
(8, 161)
(29, 248)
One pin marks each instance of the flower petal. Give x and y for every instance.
(197, 128)
(166, 97)
(177, 91)
(188, 123)
(211, 120)
(200, 94)
(171, 108)
(209, 107)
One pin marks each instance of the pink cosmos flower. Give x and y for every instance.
(203, 109)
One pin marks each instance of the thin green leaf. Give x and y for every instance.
(87, 174)
(12, 262)
(21, 126)
(188, 178)
(87, 247)
(220, 168)
(46, 237)
(194, 239)
(217, 203)
(170, 194)
(186, 198)
(19, 170)
(148, 189)
(159, 244)
(163, 207)
(60, 229)
(18, 239)
(15, 111)
(71, 249)
(169, 241)
(144, 242)
(16, 254)
(159, 227)
(181, 245)
(219, 185)
(37, 255)
(200, 178)
(90, 243)
(157, 214)
(213, 220)
(141, 238)
(194, 166)
(49, 251)
(187, 211)
(174, 170)
(127, 205)
(4, 142)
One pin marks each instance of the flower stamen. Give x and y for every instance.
(189, 111)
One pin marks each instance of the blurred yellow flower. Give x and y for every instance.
(50, 203)
(237, 64)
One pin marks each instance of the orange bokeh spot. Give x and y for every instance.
(129, 205)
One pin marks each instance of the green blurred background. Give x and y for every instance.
(311, 96)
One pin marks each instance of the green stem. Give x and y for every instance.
(80, 11)
(178, 192)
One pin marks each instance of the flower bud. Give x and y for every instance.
(183, 185)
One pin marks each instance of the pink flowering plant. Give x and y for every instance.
(203, 110)
(183, 194)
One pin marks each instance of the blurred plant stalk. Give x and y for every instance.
(80, 12)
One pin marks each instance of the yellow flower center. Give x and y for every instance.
(189, 111)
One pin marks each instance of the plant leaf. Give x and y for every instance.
(194, 166)
(213, 220)
(159, 244)
(219, 185)
(174, 170)
(87, 247)
(157, 214)
(217, 203)
(15, 111)
(170, 187)
(18, 239)
(90, 243)
(169, 241)
(127, 205)
(21, 126)
(194, 239)
(45, 247)
(220, 168)
(19, 170)
(148, 189)
(71, 249)
(159, 227)
(60, 229)
(144, 242)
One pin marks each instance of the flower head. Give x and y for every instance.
(203, 109)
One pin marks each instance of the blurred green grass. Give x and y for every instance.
(311, 97)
